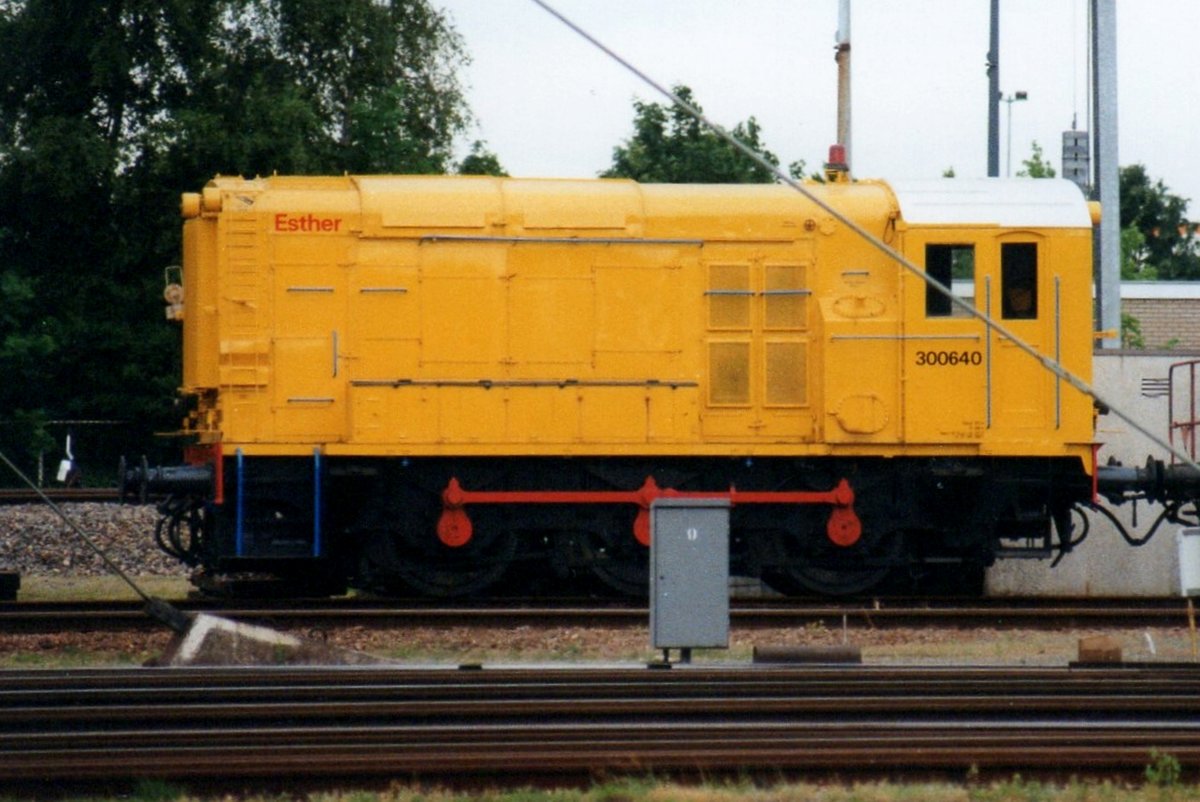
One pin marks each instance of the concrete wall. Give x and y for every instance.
(1105, 565)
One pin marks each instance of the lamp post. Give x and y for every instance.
(1010, 99)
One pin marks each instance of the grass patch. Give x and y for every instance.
(1016, 789)
(156, 791)
(646, 788)
(76, 658)
(99, 588)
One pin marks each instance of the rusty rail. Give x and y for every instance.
(24, 616)
(23, 495)
(439, 722)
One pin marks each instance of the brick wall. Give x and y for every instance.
(1166, 321)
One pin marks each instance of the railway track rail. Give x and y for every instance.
(1027, 613)
(24, 495)
(432, 723)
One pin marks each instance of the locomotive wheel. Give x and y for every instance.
(811, 564)
(611, 555)
(802, 580)
(410, 557)
(443, 572)
(623, 567)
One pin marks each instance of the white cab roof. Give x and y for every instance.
(1004, 202)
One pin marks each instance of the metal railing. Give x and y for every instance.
(1182, 407)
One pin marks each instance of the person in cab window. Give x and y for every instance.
(1018, 302)
(1018, 277)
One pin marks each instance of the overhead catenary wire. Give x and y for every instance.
(1049, 363)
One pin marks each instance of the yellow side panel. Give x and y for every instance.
(426, 202)
(574, 204)
(309, 299)
(243, 301)
(641, 311)
(614, 415)
(757, 358)
(550, 311)
(543, 415)
(785, 416)
(371, 416)
(307, 402)
(945, 382)
(384, 322)
(944, 360)
(244, 363)
(674, 415)
(1022, 405)
(200, 333)
(401, 415)
(247, 416)
(786, 373)
(1076, 344)
(786, 305)
(307, 357)
(472, 415)
(729, 373)
(463, 308)
(862, 401)
(241, 295)
(562, 417)
(729, 297)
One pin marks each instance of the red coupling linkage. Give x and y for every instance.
(454, 526)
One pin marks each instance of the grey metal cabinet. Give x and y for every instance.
(689, 578)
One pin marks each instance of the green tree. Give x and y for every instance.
(1036, 166)
(1168, 248)
(1134, 254)
(480, 161)
(671, 146)
(114, 107)
(1131, 332)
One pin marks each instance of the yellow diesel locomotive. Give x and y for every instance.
(419, 384)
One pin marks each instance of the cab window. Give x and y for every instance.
(1018, 281)
(953, 266)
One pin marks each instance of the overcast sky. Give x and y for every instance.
(550, 104)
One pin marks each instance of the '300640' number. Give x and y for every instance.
(943, 358)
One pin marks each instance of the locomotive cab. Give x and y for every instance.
(1024, 263)
(1016, 256)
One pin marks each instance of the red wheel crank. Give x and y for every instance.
(454, 526)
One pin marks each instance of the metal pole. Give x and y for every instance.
(1008, 141)
(239, 533)
(993, 72)
(843, 62)
(317, 505)
(1108, 182)
(1013, 98)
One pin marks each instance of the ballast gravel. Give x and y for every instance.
(35, 541)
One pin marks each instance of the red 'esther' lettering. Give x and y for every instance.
(306, 222)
